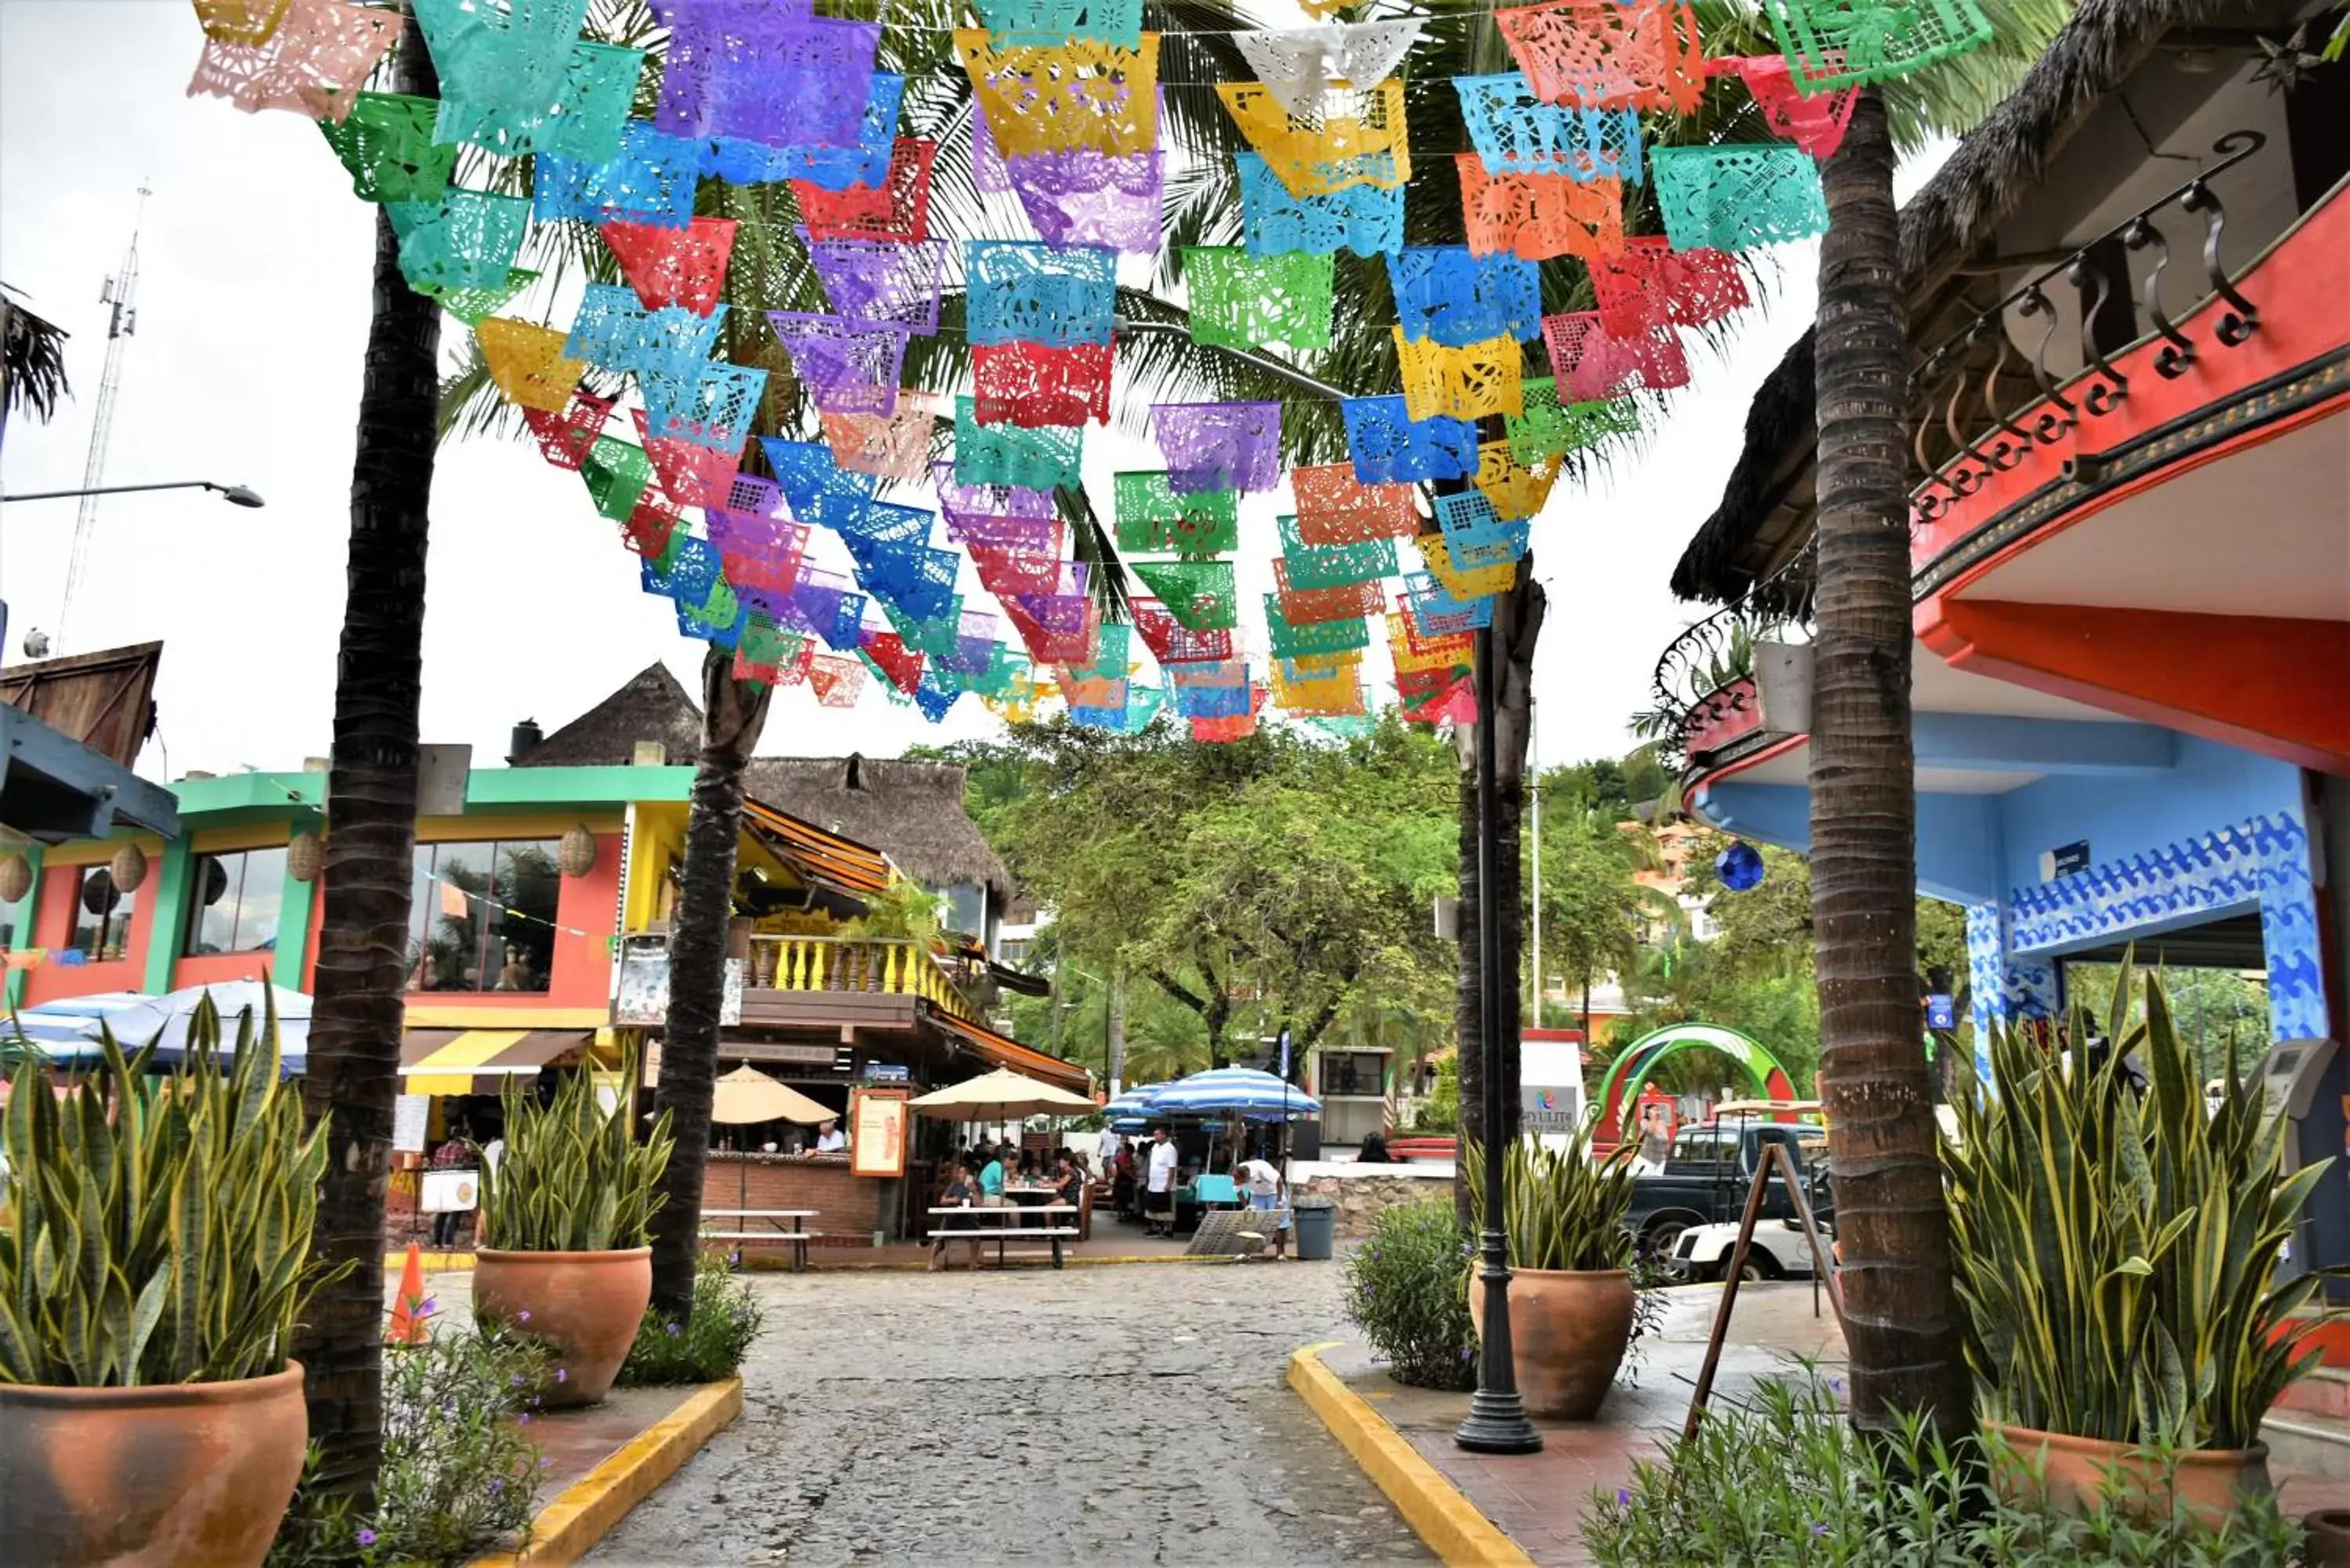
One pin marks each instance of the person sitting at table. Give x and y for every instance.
(962, 1188)
(1069, 1181)
(990, 1177)
(829, 1138)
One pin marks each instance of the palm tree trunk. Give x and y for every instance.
(362, 966)
(1113, 1050)
(1890, 1221)
(732, 714)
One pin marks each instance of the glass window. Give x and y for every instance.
(237, 898)
(102, 912)
(483, 916)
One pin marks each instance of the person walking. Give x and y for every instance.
(1268, 1191)
(1159, 1197)
(456, 1153)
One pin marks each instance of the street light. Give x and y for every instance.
(236, 494)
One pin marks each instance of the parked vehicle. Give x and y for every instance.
(1780, 1250)
(1707, 1175)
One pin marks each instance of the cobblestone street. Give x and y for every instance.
(1096, 1416)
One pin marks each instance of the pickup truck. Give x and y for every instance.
(1707, 1177)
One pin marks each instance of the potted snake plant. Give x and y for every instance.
(564, 1256)
(154, 1261)
(1571, 1298)
(2117, 1246)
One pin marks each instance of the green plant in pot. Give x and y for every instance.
(563, 1257)
(154, 1261)
(2117, 1247)
(1571, 1296)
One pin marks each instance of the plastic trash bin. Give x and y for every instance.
(1316, 1221)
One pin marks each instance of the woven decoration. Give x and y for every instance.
(830, 166)
(1607, 54)
(1734, 197)
(1048, 22)
(387, 144)
(511, 57)
(691, 475)
(1173, 643)
(1022, 291)
(649, 180)
(683, 267)
(1364, 219)
(1334, 507)
(1464, 583)
(566, 436)
(1445, 293)
(474, 305)
(1311, 607)
(1080, 197)
(1152, 515)
(527, 364)
(837, 681)
(1469, 382)
(1300, 66)
(741, 494)
(1198, 594)
(885, 283)
(581, 119)
(1037, 459)
(897, 210)
(1538, 216)
(311, 62)
(889, 446)
(1311, 566)
(1035, 384)
(1242, 301)
(1219, 446)
(1545, 430)
(1517, 133)
(1433, 612)
(850, 367)
(466, 240)
(616, 473)
(1059, 98)
(1816, 123)
(1649, 284)
(1291, 641)
(767, 75)
(1851, 43)
(1356, 137)
(1477, 534)
(709, 405)
(614, 329)
(1515, 489)
(1390, 446)
(1591, 364)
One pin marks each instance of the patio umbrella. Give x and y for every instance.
(747, 1095)
(1242, 1091)
(1001, 1095)
(1133, 1102)
(68, 1030)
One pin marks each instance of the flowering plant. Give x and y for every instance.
(1404, 1290)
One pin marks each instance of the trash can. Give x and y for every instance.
(1317, 1221)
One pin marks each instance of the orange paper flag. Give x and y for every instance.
(409, 1310)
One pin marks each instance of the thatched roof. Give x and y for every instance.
(1766, 508)
(910, 811)
(652, 706)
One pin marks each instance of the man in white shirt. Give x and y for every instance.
(1267, 1191)
(829, 1138)
(1159, 1205)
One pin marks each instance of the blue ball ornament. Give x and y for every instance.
(1740, 866)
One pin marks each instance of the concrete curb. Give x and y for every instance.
(585, 1511)
(433, 1263)
(1446, 1519)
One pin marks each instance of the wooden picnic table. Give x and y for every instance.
(1004, 1223)
(798, 1234)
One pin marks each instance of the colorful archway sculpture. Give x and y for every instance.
(1630, 1069)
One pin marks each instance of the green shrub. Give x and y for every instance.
(1783, 1479)
(1404, 1290)
(710, 1344)
(574, 1178)
(1567, 1209)
(458, 1472)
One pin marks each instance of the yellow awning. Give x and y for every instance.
(455, 1061)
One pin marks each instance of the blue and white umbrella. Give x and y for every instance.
(1258, 1097)
(67, 1029)
(1132, 1102)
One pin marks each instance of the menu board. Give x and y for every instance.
(409, 1116)
(877, 1132)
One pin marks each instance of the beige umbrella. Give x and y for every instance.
(747, 1095)
(1001, 1095)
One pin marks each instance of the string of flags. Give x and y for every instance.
(1447, 474)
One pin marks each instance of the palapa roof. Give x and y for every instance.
(651, 706)
(1765, 514)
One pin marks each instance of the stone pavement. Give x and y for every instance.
(1094, 1417)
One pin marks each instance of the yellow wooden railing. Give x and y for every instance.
(854, 964)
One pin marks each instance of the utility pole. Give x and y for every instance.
(122, 291)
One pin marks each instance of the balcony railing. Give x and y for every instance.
(1703, 677)
(855, 964)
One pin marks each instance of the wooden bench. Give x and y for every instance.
(1043, 1222)
(799, 1235)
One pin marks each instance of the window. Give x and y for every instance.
(101, 916)
(483, 916)
(237, 897)
(1705, 1146)
(1354, 1072)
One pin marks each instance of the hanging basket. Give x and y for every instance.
(129, 867)
(577, 855)
(16, 878)
(306, 857)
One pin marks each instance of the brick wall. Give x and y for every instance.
(849, 1208)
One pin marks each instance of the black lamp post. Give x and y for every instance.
(1497, 1420)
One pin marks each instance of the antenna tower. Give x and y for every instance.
(122, 291)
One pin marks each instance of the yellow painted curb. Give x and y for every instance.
(565, 1529)
(1446, 1521)
(433, 1263)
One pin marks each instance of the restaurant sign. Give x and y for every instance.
(877, 1132)
(640, 986)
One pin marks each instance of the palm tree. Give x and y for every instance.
(32, 362)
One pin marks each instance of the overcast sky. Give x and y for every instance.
(253, 313)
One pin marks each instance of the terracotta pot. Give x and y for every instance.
(188, 1472)
(584, 1305)
(2329, 1537)
(2074, 1471)
(1568, 1329)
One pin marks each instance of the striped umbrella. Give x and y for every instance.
(1258, 1097)
(1133, 1102)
